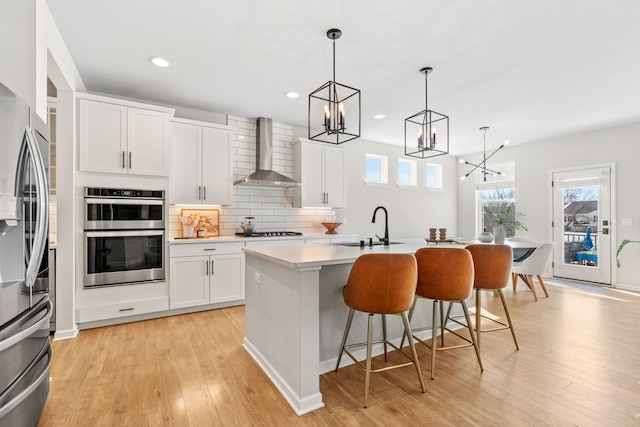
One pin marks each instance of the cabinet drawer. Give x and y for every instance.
(122, 309)
(196, 249)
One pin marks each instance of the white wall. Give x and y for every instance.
(17, 47)
(619, 145)
(411, 211)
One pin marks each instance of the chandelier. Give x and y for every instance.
(426, 134)
(328, 107)
(483, 164)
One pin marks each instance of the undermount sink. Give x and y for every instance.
(355, 244)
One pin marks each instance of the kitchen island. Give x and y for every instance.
(295, 313)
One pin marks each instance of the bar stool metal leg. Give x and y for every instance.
(473, 336)
(434, 337)
(368, 369)
(344, 337)
(506, 311)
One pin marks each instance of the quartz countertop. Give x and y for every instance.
(329, 253)
(334, 253)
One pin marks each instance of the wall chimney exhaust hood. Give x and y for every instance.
(264, 176)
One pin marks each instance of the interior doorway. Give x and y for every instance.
(582, 210)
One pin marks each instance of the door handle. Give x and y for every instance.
(605, 231)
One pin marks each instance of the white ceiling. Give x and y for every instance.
(529, 69)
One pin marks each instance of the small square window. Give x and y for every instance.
(377, 169)
(407, 172)
(434, 176)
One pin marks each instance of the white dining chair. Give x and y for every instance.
(534, 265)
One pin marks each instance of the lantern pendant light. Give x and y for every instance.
(426, 134)
(334, 108)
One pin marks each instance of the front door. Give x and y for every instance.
(582, 224)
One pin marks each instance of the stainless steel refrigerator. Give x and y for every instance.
(25, 308)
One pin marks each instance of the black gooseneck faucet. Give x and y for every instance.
(386, 223)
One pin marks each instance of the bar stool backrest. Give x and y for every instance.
(444, 274)
(382, 283)
(492, 265)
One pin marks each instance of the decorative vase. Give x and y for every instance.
(499, 233)
(188, 231)
(485, 237)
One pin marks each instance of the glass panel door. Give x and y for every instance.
(582, 223)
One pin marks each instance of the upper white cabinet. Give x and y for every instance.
(123, 137)
(201, 166)
(320, 169)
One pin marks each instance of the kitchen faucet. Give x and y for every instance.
(386, 224)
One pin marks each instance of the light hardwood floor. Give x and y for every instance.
(578, 364)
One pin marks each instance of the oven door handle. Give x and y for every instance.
(91, 201)
(122, 233)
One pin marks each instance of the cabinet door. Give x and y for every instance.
(103, 137)
(312, 175)
(217, 174)
(189, 284)
(147, 142)
(334, 183)
(186, 169)
(227, 280)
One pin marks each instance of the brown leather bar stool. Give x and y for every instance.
(492, 266)
(445, 275)
(380, 284)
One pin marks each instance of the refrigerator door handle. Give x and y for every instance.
(16, 338)
(42, 206)
(26, 393)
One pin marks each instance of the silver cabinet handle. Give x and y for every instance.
(207, 268)
(199, 192)
(129, 159)
(124, 165)
(212, 267)
(210, 249)
(205, 192)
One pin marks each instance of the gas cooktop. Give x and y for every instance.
(269, 234)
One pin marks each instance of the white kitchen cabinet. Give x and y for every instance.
(201, 166)
(202, 274)
(122, 137)
(321, 171)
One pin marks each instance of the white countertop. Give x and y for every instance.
(330, 254)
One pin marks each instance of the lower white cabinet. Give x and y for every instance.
(202, 274)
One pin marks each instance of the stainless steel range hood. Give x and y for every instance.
(264, 176)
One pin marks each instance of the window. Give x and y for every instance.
(434, 176)
(497, 199)
(407, 172)
(377, 169)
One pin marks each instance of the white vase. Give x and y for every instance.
(499, 233)
(188, 231)
(485, 237)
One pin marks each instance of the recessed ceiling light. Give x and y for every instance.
(160, 62)
(379, 116)
(292, 94)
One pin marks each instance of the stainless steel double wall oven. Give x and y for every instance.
(124, 234)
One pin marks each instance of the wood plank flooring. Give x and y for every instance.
(578, 364)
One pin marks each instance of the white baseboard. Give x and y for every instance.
(66, 334)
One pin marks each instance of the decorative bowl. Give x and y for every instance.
(331, 227)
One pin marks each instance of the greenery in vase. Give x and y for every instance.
(502, 212)
(622, 245)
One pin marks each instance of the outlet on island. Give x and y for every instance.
(257, 277)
